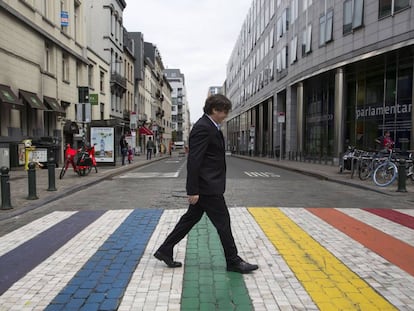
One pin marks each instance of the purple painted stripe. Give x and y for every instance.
(19, 261)
(395, 216)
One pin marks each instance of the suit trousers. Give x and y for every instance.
(216, 209)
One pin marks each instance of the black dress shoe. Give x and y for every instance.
(242, 267)
(168, 260)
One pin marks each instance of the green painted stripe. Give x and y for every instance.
(207, 285)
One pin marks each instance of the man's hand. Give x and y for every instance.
(193, 199)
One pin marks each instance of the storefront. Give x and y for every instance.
(379, 99)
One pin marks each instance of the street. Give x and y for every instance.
(320, 246)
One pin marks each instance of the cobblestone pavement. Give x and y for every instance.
(309, 258)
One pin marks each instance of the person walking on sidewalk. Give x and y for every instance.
(124, 148)
(150, 148)
(206, 181)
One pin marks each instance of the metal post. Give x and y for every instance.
(32, 181)
(51, 171)
(402, 176)
(5, 189)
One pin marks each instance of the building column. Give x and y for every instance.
(339, 113)
(270, 126)
(291, 120)
(300, 117)
(260, 131)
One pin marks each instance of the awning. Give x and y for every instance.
(7, 96)
(70, 127)
(53, 105)
(144, 131)
(32, 100)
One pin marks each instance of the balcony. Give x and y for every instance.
(118, 81)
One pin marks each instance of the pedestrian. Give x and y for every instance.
(150, 148)
(386, 142)
(206, 181)
(130, 154)
(124, 148)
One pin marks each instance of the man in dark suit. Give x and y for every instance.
(206, 182)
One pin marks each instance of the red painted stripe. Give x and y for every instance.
(395, 216)
(395, 251)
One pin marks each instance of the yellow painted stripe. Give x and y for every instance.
(330, 284)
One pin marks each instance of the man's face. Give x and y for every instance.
(219, 116)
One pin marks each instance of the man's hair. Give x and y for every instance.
(218, 102)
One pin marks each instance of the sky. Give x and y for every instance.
(195, 36)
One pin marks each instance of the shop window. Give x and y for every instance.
(390, 7)
(353, 15)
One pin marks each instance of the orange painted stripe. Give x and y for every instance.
(395, 251)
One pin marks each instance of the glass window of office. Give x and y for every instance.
(379, 99)
(319, 115)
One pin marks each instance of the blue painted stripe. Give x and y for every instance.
(19, 261)
(102, 281)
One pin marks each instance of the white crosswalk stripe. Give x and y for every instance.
(151, 175)
(262, 174)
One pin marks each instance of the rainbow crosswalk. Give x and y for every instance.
(309, 259)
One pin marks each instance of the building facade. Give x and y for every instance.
(312, 77)
(41, 68)
(180, 112)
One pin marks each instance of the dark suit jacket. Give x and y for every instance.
(206, 163)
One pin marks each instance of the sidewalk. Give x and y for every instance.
(331, 173)
(69, 184)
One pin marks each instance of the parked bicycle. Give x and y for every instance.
(82, 160)
(386, 173)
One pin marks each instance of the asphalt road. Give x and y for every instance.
(162, 185)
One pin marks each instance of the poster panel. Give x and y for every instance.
(103, 139)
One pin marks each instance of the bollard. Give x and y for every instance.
(51, 173)
(32, 181)
(402, 176)
(5, 189)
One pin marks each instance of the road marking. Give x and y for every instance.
(207, 285)
(331, 284)
(395, 251)
(151, 175)
(262, 174)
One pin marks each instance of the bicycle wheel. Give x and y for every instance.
(385, 174)
(364, 170)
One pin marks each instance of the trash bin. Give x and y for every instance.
(51, 144)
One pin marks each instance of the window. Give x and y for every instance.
(307, 40)
(90, 76)
(325, 28)
(63, 8)
(102, 111)
(65, 68)
(48, 57)
(293, 48)
(294, 10)
(77, 19)
(102, 82)
(390, 7)
(353, 15)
